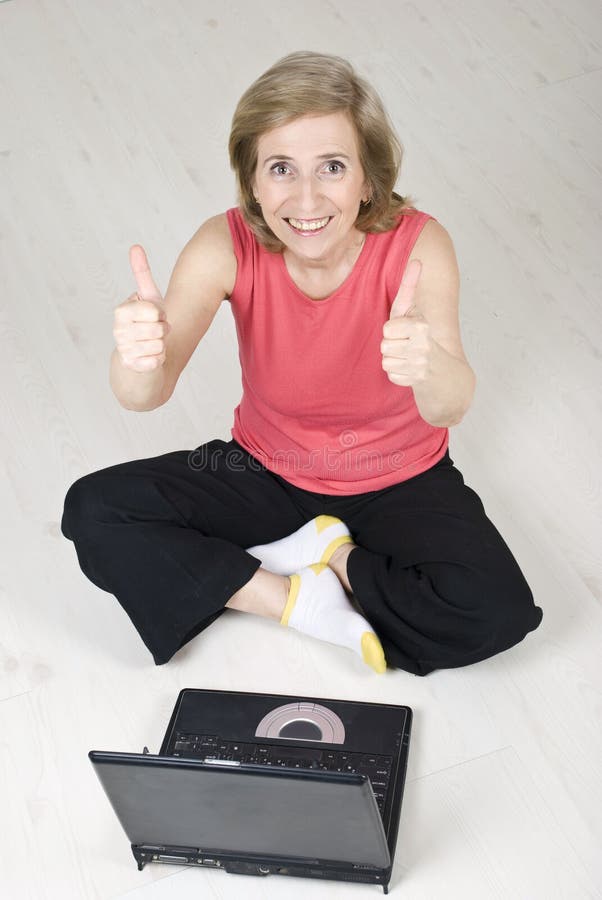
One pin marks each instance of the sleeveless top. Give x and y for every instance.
(317, 407)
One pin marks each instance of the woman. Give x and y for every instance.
(335, 508)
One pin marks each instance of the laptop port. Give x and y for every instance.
(210, 862)
(171, 859)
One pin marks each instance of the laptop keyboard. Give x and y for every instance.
(202, 746)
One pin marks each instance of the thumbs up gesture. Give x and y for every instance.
(407, 345)
(140, 323)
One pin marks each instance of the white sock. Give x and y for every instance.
(318, 605)
(314, 542)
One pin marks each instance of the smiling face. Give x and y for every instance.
(309, 171)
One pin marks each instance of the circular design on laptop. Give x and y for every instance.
(302, 722)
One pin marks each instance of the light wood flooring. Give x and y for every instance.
(114, 120)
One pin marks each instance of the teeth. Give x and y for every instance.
(309, 226)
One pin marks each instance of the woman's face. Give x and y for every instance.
(309, 170)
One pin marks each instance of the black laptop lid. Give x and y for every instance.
(276, 812)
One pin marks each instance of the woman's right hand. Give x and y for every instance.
(140, 323)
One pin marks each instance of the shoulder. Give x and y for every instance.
(435, 248)
(214, 237)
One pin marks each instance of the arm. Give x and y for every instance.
(444, 397)
(202, 273)
(422, 347)
(139, 391)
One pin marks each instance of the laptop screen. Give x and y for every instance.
(294, 814)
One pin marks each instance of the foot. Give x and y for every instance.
(314, 542)
(317, 605)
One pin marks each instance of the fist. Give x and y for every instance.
(140, 324)
(407, 345)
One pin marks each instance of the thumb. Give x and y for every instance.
(404, 305)
(147, 289)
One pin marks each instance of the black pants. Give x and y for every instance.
(166, 535)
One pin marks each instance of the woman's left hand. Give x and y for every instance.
(407, 346)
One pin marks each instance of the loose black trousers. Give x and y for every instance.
(166, 535)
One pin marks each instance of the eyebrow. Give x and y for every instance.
(321, 156)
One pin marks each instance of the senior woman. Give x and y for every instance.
(335, 508)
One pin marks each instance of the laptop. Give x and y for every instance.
(267, 784)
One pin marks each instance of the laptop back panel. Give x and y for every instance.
(191, 807)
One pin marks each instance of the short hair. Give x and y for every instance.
(307, 83)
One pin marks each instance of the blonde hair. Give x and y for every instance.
(306, 83)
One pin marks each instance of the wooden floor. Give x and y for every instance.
(114, 120)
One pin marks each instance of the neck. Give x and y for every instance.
(323, 266)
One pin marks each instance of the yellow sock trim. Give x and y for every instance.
(372, 652)
(323, 522)
(292, 598)
(334, 545)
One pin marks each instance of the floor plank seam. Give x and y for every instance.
(463, 763)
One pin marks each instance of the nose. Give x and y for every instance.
(308, 197)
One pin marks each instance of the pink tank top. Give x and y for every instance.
(317, 407)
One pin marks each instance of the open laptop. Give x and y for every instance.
(261, 784)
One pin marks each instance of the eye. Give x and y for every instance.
(278, 166)
(335, 162)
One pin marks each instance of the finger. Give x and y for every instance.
(398, 330)
(151, 330)
(151, 354)
(396, 349)
(135, 309)
(404, 302)
(147, 289)
(145, 363)
(395, 363)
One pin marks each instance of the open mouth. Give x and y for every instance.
(307, 229)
